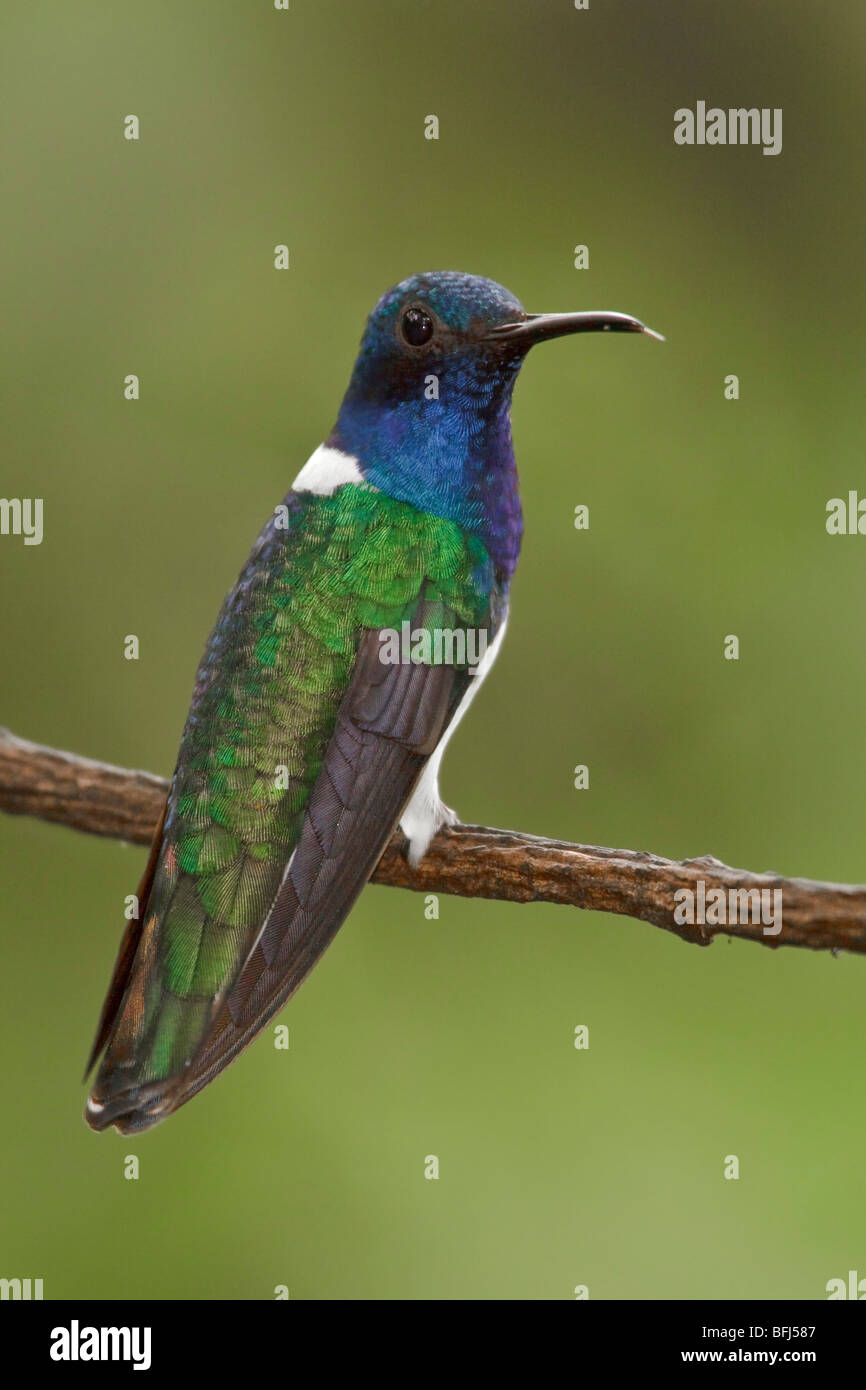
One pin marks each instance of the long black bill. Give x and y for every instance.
(536, 328)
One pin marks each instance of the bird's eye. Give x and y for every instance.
(417, 327)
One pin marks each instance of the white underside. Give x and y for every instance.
(425, 812)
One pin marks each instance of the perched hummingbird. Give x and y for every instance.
(304, 747)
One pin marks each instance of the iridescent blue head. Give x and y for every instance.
(426, 413)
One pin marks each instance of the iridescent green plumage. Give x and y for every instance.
(325, 571)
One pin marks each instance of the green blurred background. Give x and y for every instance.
(455, 1036)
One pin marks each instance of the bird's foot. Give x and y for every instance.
(421, 820)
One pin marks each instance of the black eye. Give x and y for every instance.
(417, 327)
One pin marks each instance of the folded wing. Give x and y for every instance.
(249, 882)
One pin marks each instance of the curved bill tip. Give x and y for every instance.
(651, 333)
(537, 328)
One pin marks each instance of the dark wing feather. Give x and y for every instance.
(388, 724)
(128, 948)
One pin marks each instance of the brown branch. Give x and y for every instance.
(469, 860)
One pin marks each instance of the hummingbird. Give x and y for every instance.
(303, 747)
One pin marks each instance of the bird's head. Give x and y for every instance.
(433, 331)
(468, 333)
(426, 413)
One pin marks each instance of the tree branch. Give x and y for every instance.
(471, 861)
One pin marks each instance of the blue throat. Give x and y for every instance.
(452, 456)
